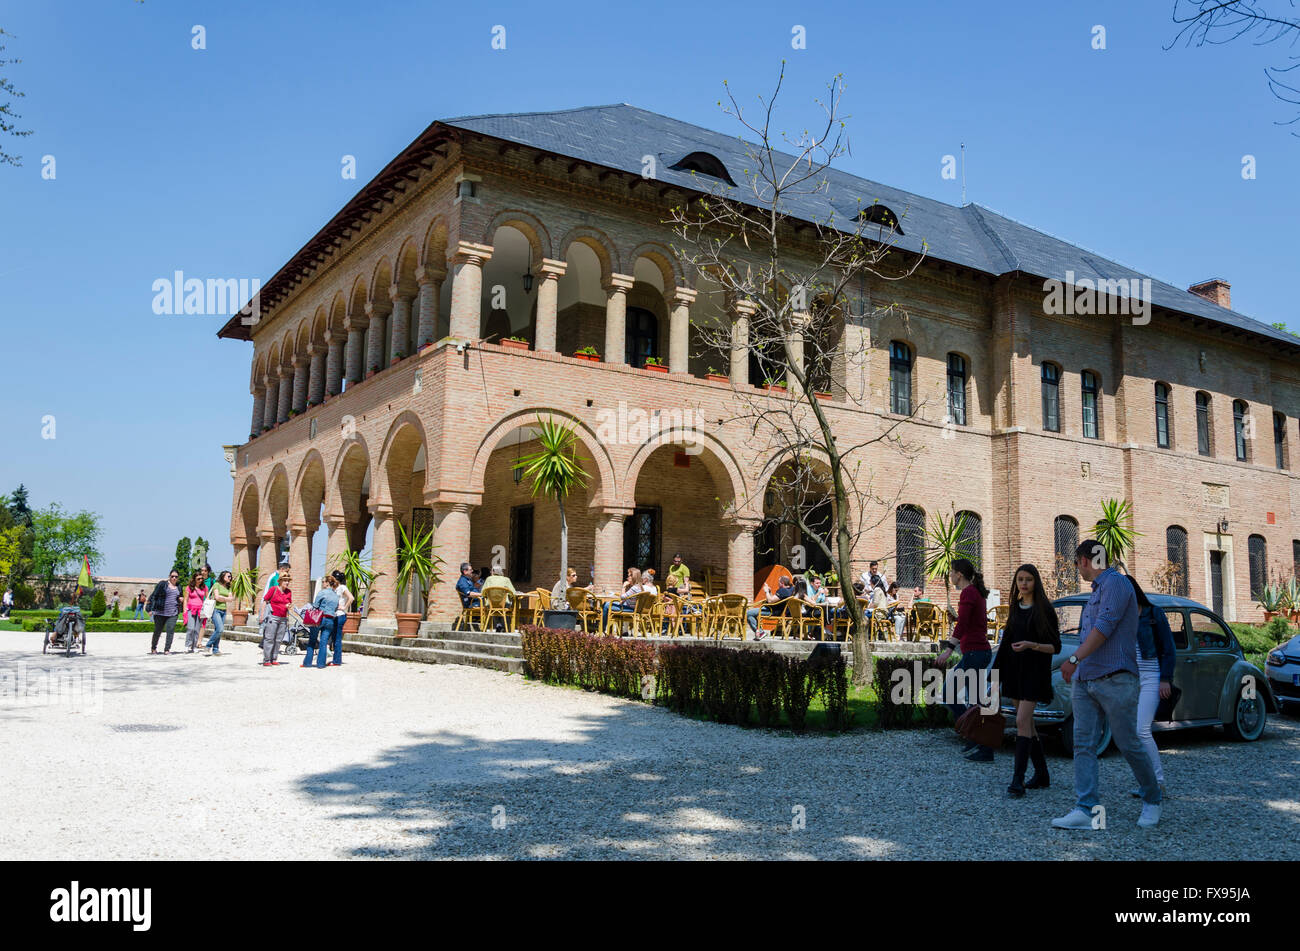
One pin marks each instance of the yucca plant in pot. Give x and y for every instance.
(1270, 598)
(1115, 529)
(243, 588)
(1291, 595)
(358, 575)
(418, 568)
(943, 540)
(555, 470)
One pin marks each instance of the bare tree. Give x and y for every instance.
(799, 289)
(1216, 22)
(8, 125)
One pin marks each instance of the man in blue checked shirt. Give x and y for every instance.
(1104, 677)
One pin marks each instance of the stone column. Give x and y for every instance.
(376, 342)
(794, 350)
(316, 376)
(399, 324)
(356, 325)
(740, 556)
(382, 610)
(616, 318)
(467, 289)
(286, 396)
(548, 298)
(679, 330)
(300, 561)
(300, 370)
(335, 360)
(609, 549)
(259, 411)
(272, 403)
(430, 281)
(744, 310)
(452, 537)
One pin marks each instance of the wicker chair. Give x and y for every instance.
(998, 618)
(728, 617)
(498, 604)
(882, 628)
(470, 614)
(588, 611)
(647, 615)
(538, 604)
(681, 614)
(928, 621)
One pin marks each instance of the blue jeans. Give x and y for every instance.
(316, 638)
(1115, 698)
(971, 660)
(139, 612)
(611, 606)
(218, 625)
(751, 616)
(331, 636)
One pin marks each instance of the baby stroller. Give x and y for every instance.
(293, 630)
(67, 632)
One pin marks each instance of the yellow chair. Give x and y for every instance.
(584, 605)
(729, 616)
(539, 602)
(681, 614)
(928, 622)
(998, 618)
(647, 615)
(498, 604)
(470, 614)
(882, 628)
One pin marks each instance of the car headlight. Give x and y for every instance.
(1276, 658)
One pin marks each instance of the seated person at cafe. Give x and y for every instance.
(631, 588)
(677, 571)
(785, 589)
(648, 585)
(465, 586)
(497, 579)
(558, 600)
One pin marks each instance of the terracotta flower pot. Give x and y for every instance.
(589, 357)
(408, 625)
(774, 388)
(655, 369)
(826, 397)
(1269, 615)
(352, 623)
(516, 344)
(718, 378)
(238, 618)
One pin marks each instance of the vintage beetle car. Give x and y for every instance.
(1219, 686)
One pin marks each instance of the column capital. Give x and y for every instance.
(354, 321)
(451, 501)
(319, 348)
(618, 283)
(267, 535)
(743, 523)
(297, 527)
(550, 269)
(395, 293)
(683, 296)
(468, 252)
(286, 373)
(618, 512)
(380, 509)
(301, 360)
(745, 308)
(429, 275)
(335, 520)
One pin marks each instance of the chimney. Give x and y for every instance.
(1216, 291)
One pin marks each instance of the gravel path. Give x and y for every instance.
(188, 757)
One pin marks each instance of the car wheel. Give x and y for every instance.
(1067, 736)
(1248, 718)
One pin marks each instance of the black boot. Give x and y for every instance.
(1017, 788)
(1040, 779)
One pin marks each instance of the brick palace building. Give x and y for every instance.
(383, 391)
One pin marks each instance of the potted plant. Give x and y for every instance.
(777, 385)
(358, 576)
(655, 365)
(943, 540)
(374, 368)
(243, 588)
(717, 377)
(516, 343)
(825, 397)
(398, 355)
(1270, 599)
(1291, 593)
(555, 470)
(588, 353)
(416, 562)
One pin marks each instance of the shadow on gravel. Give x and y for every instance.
(642, 783)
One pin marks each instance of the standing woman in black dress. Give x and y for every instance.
(1024, 665)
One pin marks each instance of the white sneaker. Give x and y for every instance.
(1076, 818)
(1150, 815)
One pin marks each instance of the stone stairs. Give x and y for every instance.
(435, 644)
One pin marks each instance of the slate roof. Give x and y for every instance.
(618, 136)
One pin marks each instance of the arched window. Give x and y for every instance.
(1203, 444)
(909, 545)
(1176, 553)
(1258, 549)
(957, 389)
(704, 163)
(1279, 439)
(1065, 570)
(1295, 557)
(1162, 416)
(900, 378)
(642, 339)
(1239, 411)
(1091, 387)
(971, 543)
(1051, 397)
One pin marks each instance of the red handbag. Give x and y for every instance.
(312, 616)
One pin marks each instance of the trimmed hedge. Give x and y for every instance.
(898, 707)
(613, 665)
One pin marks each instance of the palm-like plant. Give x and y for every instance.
(416, 560)
(358, 574)
(555, 470)
(243, 586)
(1115, 529)
(943, 541)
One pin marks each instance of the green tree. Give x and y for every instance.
(15, 512)
(11, 545)
(555, 470)
(7, 115)
(60, 541)
(181, 564)
(1115, 529)
(98, 604)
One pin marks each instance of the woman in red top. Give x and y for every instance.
(971, 635)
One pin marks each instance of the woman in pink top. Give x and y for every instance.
(195, 594)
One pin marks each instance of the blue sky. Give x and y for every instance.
(224, 161)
